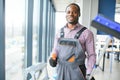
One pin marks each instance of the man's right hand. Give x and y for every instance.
(53, 62)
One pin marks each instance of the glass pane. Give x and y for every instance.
(35, 30)
(15, 25)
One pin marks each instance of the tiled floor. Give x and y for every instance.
(108, 73)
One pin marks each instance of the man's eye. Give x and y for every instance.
(71, 12)
(68, 12)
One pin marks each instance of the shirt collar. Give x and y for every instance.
(76, 26)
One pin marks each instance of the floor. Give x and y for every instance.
(111, 71)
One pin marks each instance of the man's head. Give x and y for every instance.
(72, 13)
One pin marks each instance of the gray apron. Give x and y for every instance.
(68, 47)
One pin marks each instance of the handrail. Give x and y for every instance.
(33, 69)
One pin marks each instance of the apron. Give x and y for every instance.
(68, 47)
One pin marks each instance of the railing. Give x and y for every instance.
(37, 72)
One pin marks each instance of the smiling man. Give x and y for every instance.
(72, 14)
(73, 44)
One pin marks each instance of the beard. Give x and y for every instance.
(72, 22)
(75, 21)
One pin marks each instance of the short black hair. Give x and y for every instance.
(74, 5)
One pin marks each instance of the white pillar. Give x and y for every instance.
(89, 9)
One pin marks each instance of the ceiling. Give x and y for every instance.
(61, 4)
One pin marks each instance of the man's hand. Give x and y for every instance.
(53, 60)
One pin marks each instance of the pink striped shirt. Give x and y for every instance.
(87, 41)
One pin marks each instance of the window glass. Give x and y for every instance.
(35, 30)
(14, 30)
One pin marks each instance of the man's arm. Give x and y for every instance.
(53, 55)
(91, 55)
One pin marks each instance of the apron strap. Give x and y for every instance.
(79, 32)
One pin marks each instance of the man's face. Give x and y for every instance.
(72, 14)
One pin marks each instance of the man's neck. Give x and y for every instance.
(71, 26)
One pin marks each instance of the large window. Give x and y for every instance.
(15, 25)
(29, 35)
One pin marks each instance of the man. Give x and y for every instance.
(86, 41)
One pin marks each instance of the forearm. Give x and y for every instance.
(90, 63)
